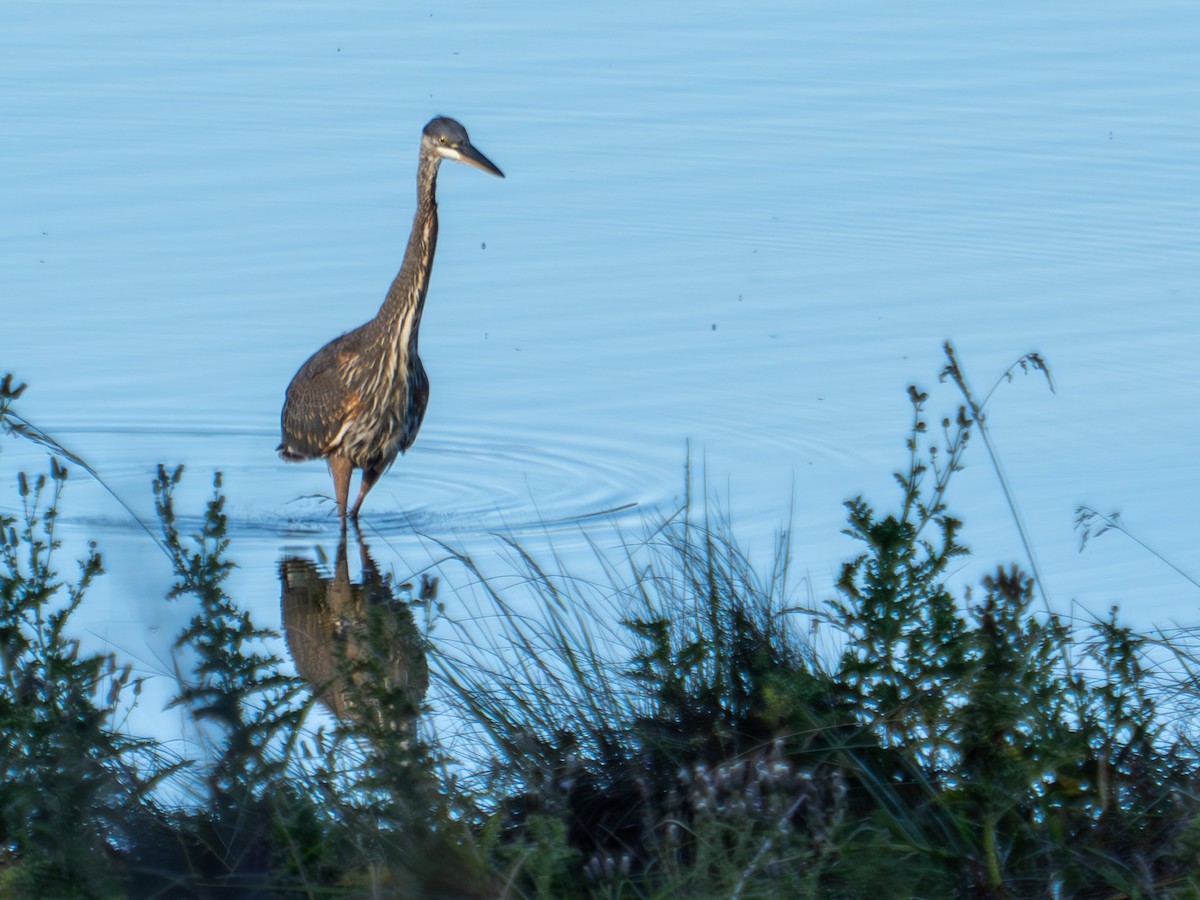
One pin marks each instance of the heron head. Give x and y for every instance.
(447, 139)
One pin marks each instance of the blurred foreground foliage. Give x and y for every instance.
(683, 727)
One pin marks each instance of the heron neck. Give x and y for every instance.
(400, 315)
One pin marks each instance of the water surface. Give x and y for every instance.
(742, 230)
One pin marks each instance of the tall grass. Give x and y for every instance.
(674, 721)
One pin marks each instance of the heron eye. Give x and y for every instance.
(442, 140)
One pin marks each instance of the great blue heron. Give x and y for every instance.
(358, 402)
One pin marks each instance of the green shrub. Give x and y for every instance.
(682, 725)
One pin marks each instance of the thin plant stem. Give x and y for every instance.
(22, 427)
(955, 372)
(1085, 517)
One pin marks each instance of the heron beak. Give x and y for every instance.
(472, 157)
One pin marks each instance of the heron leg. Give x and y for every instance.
(340, 469)
(369, 477)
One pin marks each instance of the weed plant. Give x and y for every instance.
(74, 787)
(679, 724)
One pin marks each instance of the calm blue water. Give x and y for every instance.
(748, 227)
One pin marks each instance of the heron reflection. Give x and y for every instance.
(357, 643)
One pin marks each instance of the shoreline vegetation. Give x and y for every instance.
(683, 726)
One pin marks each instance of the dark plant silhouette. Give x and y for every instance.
(681, 726)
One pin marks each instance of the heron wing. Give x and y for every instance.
(318, 404)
